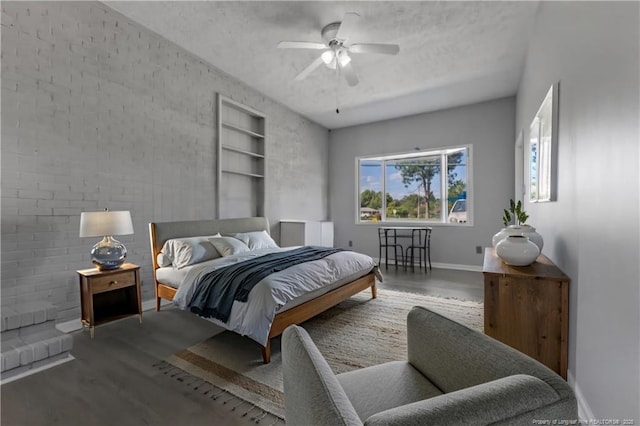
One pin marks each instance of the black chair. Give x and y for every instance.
(388, 238)
(420, 241)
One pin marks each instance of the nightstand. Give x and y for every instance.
(109, 295)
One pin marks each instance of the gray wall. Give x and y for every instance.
(488, 126)
(592, 232)
(99, 112)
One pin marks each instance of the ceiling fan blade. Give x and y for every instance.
(385, 49)
(301, 45)
(347, 25)
(305, 72)
(349, 74)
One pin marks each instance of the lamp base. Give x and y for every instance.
(108, 254)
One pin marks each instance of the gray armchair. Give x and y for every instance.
(454, 376)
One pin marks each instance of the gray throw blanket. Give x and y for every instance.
(216, 290)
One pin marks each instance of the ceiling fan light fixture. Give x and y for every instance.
(336, 47)
(327, 57)
(343, 58)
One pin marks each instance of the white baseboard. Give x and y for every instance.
(457, 267)
(584, 411)
(454, 266)
(76, 324)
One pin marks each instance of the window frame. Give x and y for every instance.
(444, 213)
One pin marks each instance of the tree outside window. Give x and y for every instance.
(413, 184)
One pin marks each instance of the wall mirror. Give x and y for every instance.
(543, 148)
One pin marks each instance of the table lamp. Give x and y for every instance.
(108, 253)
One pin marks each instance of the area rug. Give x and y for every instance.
(357, 333)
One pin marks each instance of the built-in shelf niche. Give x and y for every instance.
(241, 160)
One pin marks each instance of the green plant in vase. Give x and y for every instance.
(515, 214)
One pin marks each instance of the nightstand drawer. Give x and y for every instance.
(112, 281)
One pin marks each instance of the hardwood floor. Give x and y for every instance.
(113, 380)
(447, 283)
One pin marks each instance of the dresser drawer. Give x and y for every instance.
(112, 281)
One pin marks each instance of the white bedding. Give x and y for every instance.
(278, 292)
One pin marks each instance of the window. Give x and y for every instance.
(424, 186)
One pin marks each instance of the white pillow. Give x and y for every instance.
(228, 245)
(163, 260)
(256, 240)
(187, 251)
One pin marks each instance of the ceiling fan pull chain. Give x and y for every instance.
(337, 89)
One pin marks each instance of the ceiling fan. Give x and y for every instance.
(337, 48)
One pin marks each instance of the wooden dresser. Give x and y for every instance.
(527, 307)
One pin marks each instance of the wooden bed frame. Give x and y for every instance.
(163, 231)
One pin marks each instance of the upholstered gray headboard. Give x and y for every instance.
(159, 232)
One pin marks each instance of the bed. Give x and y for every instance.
(292, 305)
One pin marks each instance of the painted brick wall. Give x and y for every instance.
(98, 112)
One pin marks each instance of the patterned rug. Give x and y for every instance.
(357, 333)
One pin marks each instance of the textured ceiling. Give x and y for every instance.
(451, 53)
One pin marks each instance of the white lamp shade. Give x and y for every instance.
(99, 224)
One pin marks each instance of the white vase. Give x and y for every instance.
(504, 233)
(534, 237)
(517, 250)
(526, 230)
